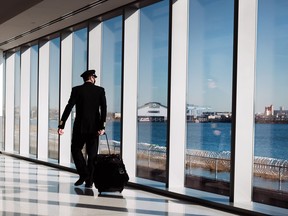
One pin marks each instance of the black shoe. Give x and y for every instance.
(80, 181)
(88, 184)
(88, 192)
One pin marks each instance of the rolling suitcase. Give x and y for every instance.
(110, 173)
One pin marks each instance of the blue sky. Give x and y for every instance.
(272, 55)
(153, 54)
(210, 55)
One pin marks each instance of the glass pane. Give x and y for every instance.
(79, 56)
(271, 105)
(54, 85)
(79, 64)
(111, 79)
(152, 92)
(209, 95)
(33, 100)
(2, 98)
(17, 89)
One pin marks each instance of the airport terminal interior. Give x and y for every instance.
(196, 105)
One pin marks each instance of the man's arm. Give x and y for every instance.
(66, 113)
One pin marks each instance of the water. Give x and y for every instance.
(271, 140)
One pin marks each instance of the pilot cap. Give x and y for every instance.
(88, 73)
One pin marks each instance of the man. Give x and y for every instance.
(91, 111)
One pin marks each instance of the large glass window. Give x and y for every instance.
(111, 78)
(152, 92)
(17, 93)
(79, 55)
(209, 95)
(271, 104)
(33, 100)
(79, 64)
(2, 99)
(54, 83)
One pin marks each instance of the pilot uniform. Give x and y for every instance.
(91, 111)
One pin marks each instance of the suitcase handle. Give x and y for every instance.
(107, 142)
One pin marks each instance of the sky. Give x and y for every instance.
(210, 55)
(272, 55)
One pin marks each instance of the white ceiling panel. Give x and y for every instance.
(22, 21)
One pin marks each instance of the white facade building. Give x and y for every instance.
(152, 111)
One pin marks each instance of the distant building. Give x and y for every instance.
(156, 112)
(117, 115)
(195, 113)
(269, 110)
(272, 116)
(194, 110)
(281, 113)
(152, 111)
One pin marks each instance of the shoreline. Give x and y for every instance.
(214, 162)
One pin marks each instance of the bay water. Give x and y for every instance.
(271, 140)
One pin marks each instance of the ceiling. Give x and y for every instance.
(22, 21)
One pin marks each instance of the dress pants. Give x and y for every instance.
(84, 169)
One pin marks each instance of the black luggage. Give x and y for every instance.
(110, 173)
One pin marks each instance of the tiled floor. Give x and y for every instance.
(31, 189)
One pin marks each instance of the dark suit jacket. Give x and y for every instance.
(91, 108)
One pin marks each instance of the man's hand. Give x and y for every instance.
(60, 131)
(101, 132)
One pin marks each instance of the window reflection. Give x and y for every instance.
(2, 114)
(54, 85)
(79, 64)
(271, 105)
(33, 100)
(111, 78)
(152, 92)
(209, 95)
(17, 89)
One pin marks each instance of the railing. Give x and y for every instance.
(273, 169)
(214, 163)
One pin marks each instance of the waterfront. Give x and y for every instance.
(271, 140)
(208, 150)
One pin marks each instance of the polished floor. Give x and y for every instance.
(27, 188)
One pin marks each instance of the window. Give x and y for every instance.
(153, 87)
(2, 99)
(209, 95)
(153, 111)
(33, 100)
(17, 87)
(79, 55)
(79, 60)
(271, 105)
(111, 78)
(79, 65)
(54, 71)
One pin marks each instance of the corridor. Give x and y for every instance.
(27, 188)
